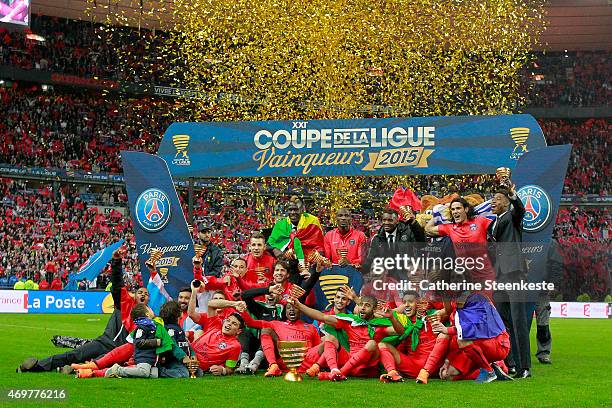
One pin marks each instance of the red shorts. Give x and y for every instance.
(494, 349)
(369, 369)
(410, 365)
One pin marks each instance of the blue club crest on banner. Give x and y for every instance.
(152, 210)
(538, 207)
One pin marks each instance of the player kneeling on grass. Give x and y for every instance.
(416, 348)
(356, 354)
(479, 342)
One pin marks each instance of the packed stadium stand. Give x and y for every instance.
(49, 228)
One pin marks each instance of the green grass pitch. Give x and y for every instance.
(579, 377)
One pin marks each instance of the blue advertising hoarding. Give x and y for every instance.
(61, 301)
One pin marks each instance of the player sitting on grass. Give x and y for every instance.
(340, 302)
(171, 361)
(478, 340)
(417, 344)
(275, 331)
(249, 339)
(150, 340)
(217, 348)
(359, 356)
(115, 334)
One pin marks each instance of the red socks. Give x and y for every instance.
(474, 353)
(99, 373)
(387, 359)
(118, 355)
(330, 355)
(357, 359)
(436, 357)
(267, 346)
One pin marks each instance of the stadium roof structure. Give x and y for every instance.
(574, 25)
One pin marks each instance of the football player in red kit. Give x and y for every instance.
(361, 358)
(411, 355)
(293, 329)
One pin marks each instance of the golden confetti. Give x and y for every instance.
(316, 59)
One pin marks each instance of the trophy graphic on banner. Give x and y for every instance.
(292, 353)
(155, 256)
(503, 176)
(192, 365)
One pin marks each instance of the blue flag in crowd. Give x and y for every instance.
(93, 266)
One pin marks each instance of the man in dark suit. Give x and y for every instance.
(510, 266)
(394, 237)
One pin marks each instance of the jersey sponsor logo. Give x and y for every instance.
(153, 210)
(538, 207)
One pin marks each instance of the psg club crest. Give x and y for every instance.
(153, 210)
(538, 207)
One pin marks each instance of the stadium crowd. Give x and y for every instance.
(86, 50)
(46, 233)
(569, 79)
(47, 129)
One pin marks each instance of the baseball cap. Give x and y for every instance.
(203, 225)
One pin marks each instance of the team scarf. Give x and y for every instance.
(355, 321)
(309, 235)
(410, 329)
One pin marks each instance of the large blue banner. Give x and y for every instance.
(349, 147)
(159, 222)
(539, 178)
(59, 301)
